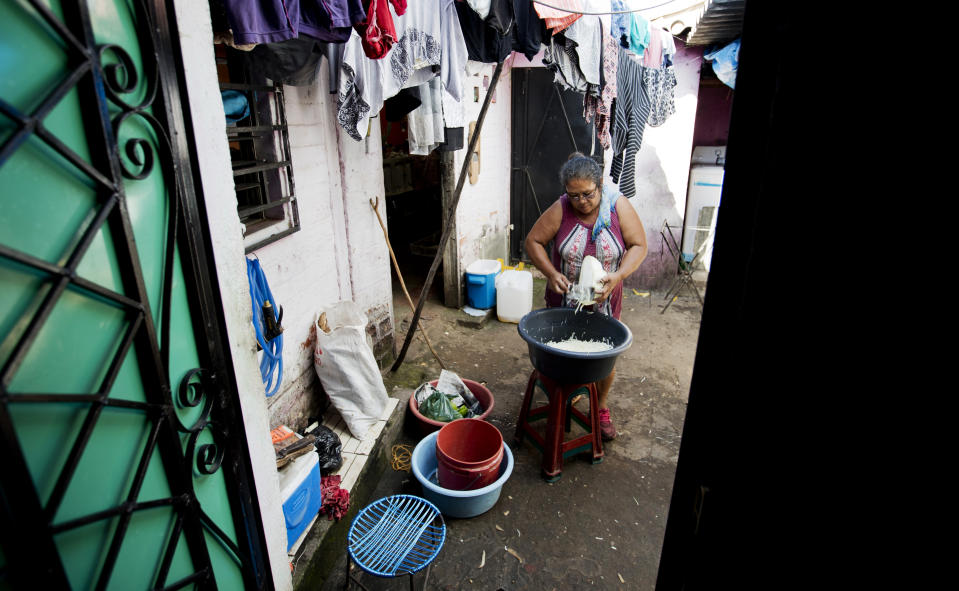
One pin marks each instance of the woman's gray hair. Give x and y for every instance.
(580, 166)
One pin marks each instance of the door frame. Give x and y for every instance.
(24, 519)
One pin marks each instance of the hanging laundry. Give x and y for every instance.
(653, 56)
(268, 21)
(292, 62)
(454, 110)
(587, 34)
(631, 111)
(377, 31)
(639, 33)
(360, 91)
(226, 38)
(330, 20)
(725, 62)
(480, 7)
(483, 43)
(500, 17)
(661, 83)
(561, 61)
(574, 56)
(660, 86)
(620, 22)
(454, 120)
(669, 48)
(425, 123)
(334, 59)
(272, 21)
(528, 29)
(557, 20)
(598, 110)
(430, 40)
(397, 107)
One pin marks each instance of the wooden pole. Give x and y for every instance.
(450, 215)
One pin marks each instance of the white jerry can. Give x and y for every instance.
(514, 295)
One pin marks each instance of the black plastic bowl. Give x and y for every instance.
(558, 324)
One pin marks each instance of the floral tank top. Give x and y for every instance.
(573, 242)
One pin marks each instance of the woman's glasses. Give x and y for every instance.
(577, 197)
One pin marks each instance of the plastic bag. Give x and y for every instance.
(725, 62)
(451, 384)
(328, 447)
(344, 362)
(439, 408)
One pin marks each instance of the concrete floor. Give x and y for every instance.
(600, 526)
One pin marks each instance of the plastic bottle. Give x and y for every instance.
(514, 295)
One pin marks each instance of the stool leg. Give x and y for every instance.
(594, 424)
(524, 409)
(426, 577)
(553, 452)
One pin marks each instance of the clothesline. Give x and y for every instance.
(567, 10)
(611, 13)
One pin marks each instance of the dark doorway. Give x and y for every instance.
(413, 194)
(548, 126)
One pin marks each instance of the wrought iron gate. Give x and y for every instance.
(548, 125)
(125, 462)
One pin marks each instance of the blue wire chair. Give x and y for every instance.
(395, 535)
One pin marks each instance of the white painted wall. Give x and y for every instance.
(338, 254)
(196, 38)
(309, 268)
(361, 168)
(483, 213)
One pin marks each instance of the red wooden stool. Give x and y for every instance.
(559, 413)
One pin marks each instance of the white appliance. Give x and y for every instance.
(702, 201)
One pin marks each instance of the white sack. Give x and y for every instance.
(344, 362)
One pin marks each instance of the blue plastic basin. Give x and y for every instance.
(456, 503)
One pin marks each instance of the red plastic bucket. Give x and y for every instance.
(427, 426)
(468, 454)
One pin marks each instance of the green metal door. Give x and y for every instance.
(124, 460)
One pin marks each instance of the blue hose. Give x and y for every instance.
(271, 366)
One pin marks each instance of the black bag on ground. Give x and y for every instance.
(328, 446)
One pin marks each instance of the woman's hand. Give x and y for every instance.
(559, 283)
(609, 281)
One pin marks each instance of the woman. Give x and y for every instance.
(589, 219)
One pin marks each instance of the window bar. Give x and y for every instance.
(245, 212)
(238, 86)
(281, 112)
(260, 167)
(270, 240)
(254, 129)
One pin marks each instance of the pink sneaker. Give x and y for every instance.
(606, 427)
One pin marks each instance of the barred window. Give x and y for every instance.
(259, 149)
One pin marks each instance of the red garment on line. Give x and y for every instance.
(377, 31)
